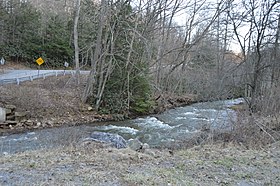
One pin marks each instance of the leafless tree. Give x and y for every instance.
(76, 45)
(257, 16)
(97, 53)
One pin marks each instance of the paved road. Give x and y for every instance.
(18, 76)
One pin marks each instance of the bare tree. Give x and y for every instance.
(76, 45)
(275, 74)
(91, 81)
(258, 16)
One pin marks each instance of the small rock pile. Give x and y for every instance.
(10, 117)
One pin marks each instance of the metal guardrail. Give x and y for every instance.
(18, 80)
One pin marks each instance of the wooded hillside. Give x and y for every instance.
(141, 50)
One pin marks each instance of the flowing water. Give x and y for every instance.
(172, 125)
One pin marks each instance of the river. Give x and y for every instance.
(157, 130)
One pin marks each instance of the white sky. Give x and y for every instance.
(182, 16)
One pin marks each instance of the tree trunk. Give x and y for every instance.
(76, 20)
(96, 57)
(275, 67)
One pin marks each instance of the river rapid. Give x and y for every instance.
(157, 130)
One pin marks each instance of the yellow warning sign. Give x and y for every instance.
(39, 61)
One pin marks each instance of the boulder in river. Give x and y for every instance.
(137, 145)
(114, 139)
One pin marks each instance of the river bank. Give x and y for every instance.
(94, 164)
(205, 159)
(55, 101)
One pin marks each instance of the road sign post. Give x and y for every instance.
(39, 61)
(66, 65)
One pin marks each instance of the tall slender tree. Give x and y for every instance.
(76, 36)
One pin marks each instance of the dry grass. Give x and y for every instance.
(92, 164)
(256, 131)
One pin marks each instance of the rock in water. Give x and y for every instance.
(135, 144)
(115, 139)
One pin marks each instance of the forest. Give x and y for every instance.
(138, 51)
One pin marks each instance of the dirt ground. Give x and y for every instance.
(93, 164)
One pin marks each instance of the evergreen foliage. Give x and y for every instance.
(26, 37)
(21, 24)
(128, 87)
(56, 46)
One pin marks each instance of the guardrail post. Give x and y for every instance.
(17, 81)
